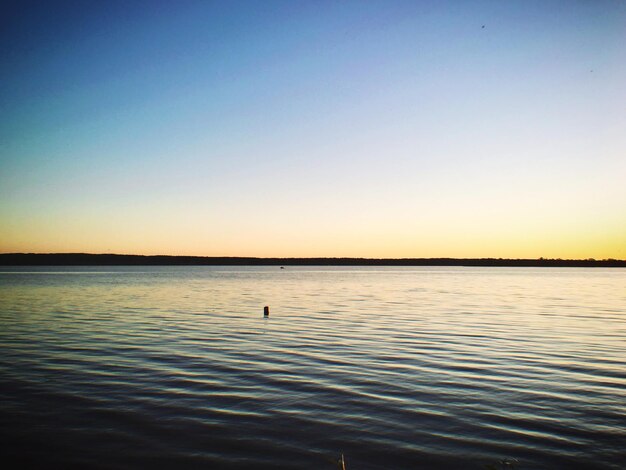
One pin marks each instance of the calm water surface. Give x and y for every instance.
(396, 368)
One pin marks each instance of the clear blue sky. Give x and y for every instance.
(314, 128)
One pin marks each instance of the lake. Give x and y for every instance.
(395, 368)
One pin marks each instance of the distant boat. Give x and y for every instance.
(282, 267)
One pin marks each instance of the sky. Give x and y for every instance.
(323, 128)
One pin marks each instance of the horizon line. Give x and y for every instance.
(69, 258)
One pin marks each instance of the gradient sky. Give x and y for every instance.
(375, 129)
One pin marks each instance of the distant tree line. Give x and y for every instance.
(86, 259)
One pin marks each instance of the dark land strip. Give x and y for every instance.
(87, 259)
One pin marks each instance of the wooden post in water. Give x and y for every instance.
(266, 311)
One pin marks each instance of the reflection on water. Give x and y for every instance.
(175, 367)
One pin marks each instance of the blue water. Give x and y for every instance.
(396, 368)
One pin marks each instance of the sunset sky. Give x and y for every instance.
(365, 128)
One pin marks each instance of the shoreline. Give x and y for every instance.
(89, 259)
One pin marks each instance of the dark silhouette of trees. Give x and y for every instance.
(87, 259)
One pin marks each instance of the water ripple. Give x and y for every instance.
(396, 368)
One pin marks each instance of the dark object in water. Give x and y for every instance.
(266, 311)
(282, 267)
